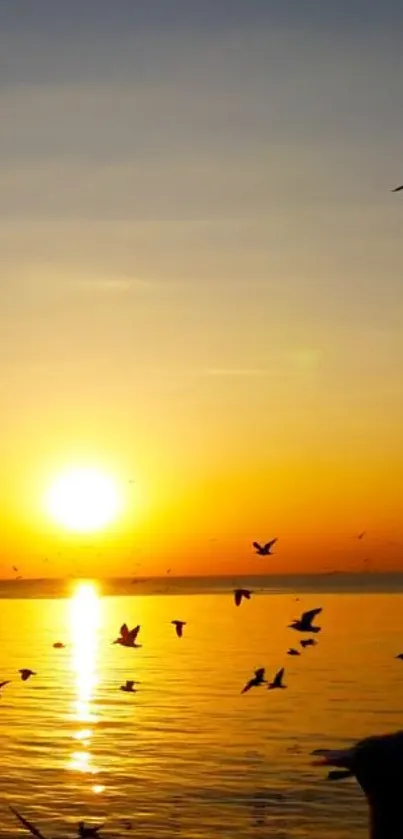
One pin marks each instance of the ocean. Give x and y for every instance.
(187, 754)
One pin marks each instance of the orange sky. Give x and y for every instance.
(200, 285)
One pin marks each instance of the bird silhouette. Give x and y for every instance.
(179, 627)
(59, 646)
(239, 593)
(85, 832)
(26, 674)
(277, 681)
(257, 680)
(127, 637)
(291, 651)
(361, 535)
(264, 550)
(308, 642)
(400, 655)
(129, 686)
(304, 624)
(397, 188)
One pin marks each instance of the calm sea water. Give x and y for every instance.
(188, 755)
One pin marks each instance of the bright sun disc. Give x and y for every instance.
(83, 500)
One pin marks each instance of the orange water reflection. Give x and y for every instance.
(84, 624)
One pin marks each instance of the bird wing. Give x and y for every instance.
(248, 686)
(259, 673)
(130, 683)
(28, 826)
(397, 188)
(257, 546)
(278, 678)
(237, 596)
(270, 544)
(134, 633)
(3, 684)
(124, 630)
(307, 617)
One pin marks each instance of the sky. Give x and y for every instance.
(200, 281)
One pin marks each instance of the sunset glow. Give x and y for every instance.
(83, 500)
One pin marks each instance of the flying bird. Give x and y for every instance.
(397, 188)
(304, 624)
(26, 674)
(28, 825)
(277, 681)
(257, 680)
(400, 656)
(86, 832)
(179, 627)
(128, 636)
(59, 646)
(239, 593)
(3, 684)
(291, 651)
(264, 550)
(129, 686)
(361, 535)
(308, 642)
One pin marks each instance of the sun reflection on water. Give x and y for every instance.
(84, 624)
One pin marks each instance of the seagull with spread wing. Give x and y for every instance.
(179, 627)
(277, 681)
(305, 622)
(128, 636)
(264, 550)
(240, 593)
(257, 680)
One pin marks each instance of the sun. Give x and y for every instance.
(83, 500)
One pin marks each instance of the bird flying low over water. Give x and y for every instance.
(129, 686)
(308, 642)
(239, 593)
(179, 627)
(291, 651)
(25, 673)
(257, 680)
(28, 825)
(128, 636)
(277, 681)
(264, 550)
(305, 622)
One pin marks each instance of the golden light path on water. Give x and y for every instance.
(84, 625)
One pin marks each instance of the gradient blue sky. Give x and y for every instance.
(200, 268)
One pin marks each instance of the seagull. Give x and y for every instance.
(179, 627)
(277, 681)
(59, 646)
(28, 825)
(304, 624)
(129, 686)
(128, 636)
(291, 651)
(257, 680)
(85, 832)
(239, 593)
(25, 673)
(397, 188)
(400, 656)
(308, 642)
(264, 550)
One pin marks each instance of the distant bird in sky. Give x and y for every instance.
(59, 646)
(308, 642)
(3, 684)
(239, 593)
(361, 535)
(397, 188)
(304, 624)
(400, 655)
(128, 636)
(277, 681)
(257, 680)
(15, 569)
(291, 651)
(28, 825)
(85, 832)
(264, 550)
(26, 673)
(129, 686)
(179, 627)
